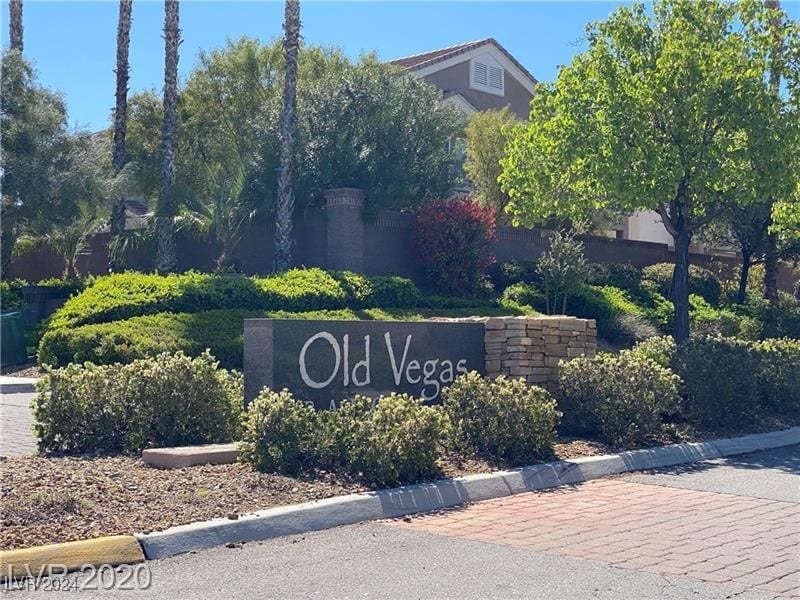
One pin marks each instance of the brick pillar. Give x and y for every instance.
(344, 207)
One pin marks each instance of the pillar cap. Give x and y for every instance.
(344, 196)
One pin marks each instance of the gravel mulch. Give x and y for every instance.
(50, 500)
(30, 369)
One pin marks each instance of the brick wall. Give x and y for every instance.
(341, 237)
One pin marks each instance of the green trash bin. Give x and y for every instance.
(12, 344)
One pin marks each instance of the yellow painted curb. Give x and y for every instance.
(112, 550)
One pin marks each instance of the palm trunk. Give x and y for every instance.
(680, 284)
(120, 116)
(285, 201)
(15, 24)
(166, 260)
(771, 240)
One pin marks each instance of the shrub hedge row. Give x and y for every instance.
(192, 333)
(169, 400)
(126, 295)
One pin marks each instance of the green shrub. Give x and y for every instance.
(525, 294)
(719, 380)
(11, 294)
(507, 273)
(623, 276)
(620, 398)
(619, 318)
(279, 433)
(501, 419)
(169, 400)
(779, 375)
(397, 442)
(191, 333)
(709, 321)
(701, 281)
(658, 349)
(126, 295)
(452, 239)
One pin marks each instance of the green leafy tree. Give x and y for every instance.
(361, 124)
(662, 112)
(44, 174)
(563, 269)
(488, 132)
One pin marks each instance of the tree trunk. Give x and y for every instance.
(680, 285)
(15, 24)
(771, 267)
(166, 260)
(284, 208)
(744, 274)
(771, 240)
(120, 116)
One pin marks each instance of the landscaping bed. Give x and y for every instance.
(46, 500)
(50, 500)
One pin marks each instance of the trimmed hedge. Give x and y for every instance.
(169, 400)
(779, 375)
(728, 381)
(191, 333)
(130, 294)
(11, 294)
(720, 380)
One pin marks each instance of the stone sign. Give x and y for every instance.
(326, 361)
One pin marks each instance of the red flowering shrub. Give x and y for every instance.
(452, 238)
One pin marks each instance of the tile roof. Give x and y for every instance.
(426, 59)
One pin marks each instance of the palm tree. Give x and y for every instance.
(166, 261)
(285, 202)
(120, 115)
(15, 24)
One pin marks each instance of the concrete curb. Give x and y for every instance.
(112, 550)
(21, 387)
(396, 502)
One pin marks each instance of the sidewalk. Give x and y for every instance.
(16, 437)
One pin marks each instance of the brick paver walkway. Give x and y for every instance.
(750, 543)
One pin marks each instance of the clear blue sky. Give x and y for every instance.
(72, 44)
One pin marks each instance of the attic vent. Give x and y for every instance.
(486, 76)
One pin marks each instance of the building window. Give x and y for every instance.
(486, 75)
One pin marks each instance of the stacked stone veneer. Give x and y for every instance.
(532, 347)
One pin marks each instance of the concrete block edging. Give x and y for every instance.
(424, 497)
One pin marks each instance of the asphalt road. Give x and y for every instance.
(379, 560)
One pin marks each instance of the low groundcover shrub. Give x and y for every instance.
(168, 400)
